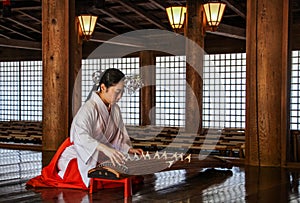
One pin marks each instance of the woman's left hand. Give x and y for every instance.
(135, 151)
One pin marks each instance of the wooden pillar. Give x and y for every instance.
(266, 99)
(76, 40)
(194, 31)
(55, 47)
(147, 114)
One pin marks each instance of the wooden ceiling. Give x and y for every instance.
(21, 28)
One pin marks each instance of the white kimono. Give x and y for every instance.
(93, 124)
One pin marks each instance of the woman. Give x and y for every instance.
(97, 134)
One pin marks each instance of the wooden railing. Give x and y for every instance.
(21, 135)
(225, 142)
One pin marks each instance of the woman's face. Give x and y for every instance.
(112, 94)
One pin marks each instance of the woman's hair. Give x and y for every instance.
(111, 77)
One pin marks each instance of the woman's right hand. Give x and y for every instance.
(115, 156)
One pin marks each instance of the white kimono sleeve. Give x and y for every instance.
(82, 132)
(121, 140)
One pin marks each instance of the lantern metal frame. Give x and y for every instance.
(176, 16)
(214, 11)
(87, 24)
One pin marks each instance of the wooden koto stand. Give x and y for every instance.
(149, 164)
(126, 181)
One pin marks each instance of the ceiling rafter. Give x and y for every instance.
(119, 18)
(25, 26)
(106, 28)
(16, 32)
(159, 4)
(236, 8)
(4, 36)
(100, 23)
(143, 14)
(29, 16)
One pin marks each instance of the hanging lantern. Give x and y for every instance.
(87, 25)
(214, 12)
(176, 15)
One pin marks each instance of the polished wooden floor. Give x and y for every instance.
(238, 184)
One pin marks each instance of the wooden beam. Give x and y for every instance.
(120, 40)
(27, 8)
(230, 31)
(140, 42)
(215, 44)
(20, 146)
(143, 14)
(20, 44)
(12, 54)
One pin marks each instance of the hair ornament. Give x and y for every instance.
(96, 77)
(133, 83)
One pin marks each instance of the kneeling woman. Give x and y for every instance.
(97, 134)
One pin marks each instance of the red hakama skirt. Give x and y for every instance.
(72, 178)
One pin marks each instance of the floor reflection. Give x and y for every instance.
(62, 195)
(271, 184)
(239, 184)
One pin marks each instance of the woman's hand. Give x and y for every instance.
(135, 151)
(115, 156)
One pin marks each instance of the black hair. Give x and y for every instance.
(111, 77)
